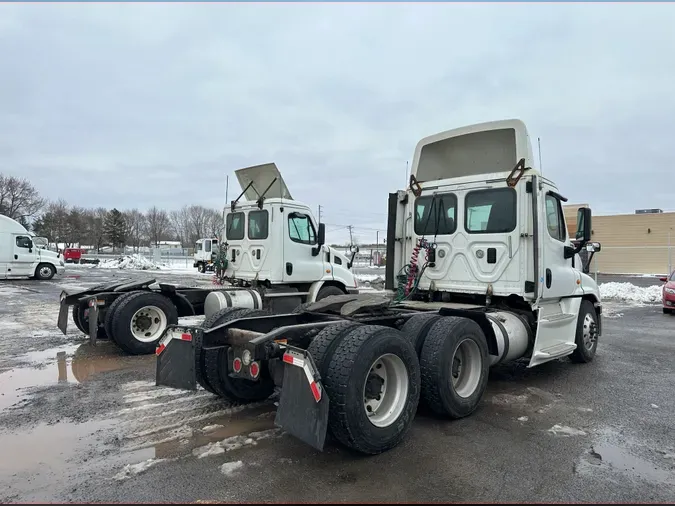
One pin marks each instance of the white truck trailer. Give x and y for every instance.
(23, 257)
(277, 261)
(480, 271)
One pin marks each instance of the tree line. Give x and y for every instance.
(100, 227)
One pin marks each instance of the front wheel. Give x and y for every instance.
(44, 272)
(200, 268)
(587, 334)
(667, 310)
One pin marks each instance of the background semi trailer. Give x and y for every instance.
(480, 272)
(272, 264)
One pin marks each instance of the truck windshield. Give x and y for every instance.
(436, 214)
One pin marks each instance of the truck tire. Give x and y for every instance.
(323, 345)
(667, 310)
(327, 291)
(81, 321)
(200, 355)
(110, 313)
(44, 272)
(200, 267)
(372, 361)
(216, 365)
(417, 327)
(454, 364)
(301, 308)
(587, 334)
(139, 321)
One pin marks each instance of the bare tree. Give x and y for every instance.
(18, 198)
(214, 223)
(94, 235)
(136, 227)
(75, 229)
(158, 225)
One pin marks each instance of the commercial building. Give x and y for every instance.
(639, 243)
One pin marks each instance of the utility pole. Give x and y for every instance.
(351, 239)
(319, 213)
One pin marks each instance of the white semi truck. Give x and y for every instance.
(24, 256)
(480, 271)
(277, 261)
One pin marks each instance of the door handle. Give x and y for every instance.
(16, 257)
(289, 268)
(548, 278)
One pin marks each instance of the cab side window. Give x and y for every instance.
(207, 246)
(555, 222)
(300, 229)
(234, 226)
(24, 242)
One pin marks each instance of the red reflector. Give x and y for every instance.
(160, 349)
(288, 358)
(315, 391)
(186, 337)
(254, 369)
(236, 364)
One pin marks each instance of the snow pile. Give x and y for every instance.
(134, 261)
(370, 280)
(630, 293)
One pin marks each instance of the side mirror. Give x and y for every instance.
(584, 224)
(322, 234)
(663, 279)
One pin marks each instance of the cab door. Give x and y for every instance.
(300, 239)
(558, 305)
(23, 258)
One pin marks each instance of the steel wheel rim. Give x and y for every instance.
(466, 368)
(45, 272)
(387, 379)
(148, 323)
(589, 332)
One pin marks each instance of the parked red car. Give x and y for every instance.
(73, 255)
(669, 294)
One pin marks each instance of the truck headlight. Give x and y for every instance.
(669, 290)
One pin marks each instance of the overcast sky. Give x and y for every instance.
(134, 105)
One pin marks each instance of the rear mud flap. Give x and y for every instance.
(176, 363)
(299, 413)
(62, 322)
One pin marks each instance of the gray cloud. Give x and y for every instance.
(134, 105)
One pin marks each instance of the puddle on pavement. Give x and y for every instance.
(15, 382)
(68, 364)
(609, 455)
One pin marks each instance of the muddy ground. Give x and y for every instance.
(82, 424)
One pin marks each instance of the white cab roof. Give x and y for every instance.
(7, 224)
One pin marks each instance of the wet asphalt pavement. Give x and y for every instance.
(90, 425)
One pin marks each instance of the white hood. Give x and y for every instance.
(262, 176)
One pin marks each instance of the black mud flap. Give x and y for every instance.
(176, 360)
(62, 322)
(299, 413)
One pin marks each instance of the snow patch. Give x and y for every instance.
(229, 468)
(134, 469)
(655, 406)
(134, 261)
(211, 428)
(523, 418)
(563, 430)
(628, 292)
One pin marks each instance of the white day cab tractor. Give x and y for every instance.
(206, 251)
(277, 261)
(480, 272)
(24, 256)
